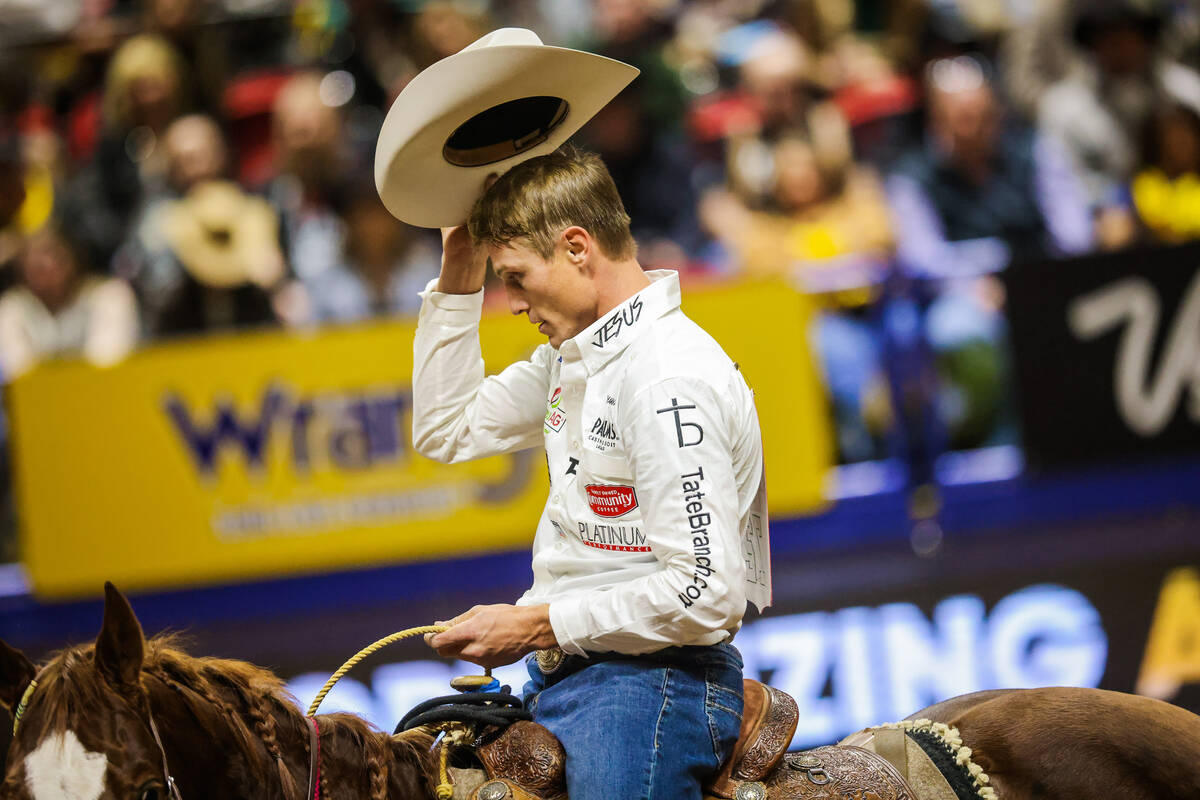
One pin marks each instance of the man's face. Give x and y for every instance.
(966, 122)
(556, 294)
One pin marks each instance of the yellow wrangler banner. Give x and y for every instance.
(278, 453)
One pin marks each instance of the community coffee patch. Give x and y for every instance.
(610, 501)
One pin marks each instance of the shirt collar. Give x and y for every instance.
(598, 343)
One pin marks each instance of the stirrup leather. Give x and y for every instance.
(769, 719)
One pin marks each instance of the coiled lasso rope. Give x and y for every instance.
(366, 651)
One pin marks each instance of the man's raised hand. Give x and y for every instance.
(464, 266)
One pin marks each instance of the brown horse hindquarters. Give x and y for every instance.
(1078, 744)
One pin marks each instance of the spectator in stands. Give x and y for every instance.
(443, 28)
(60, 310)
(144, 92)
(311, 165)
(776, 83)
(978, 193)
(879, 103)
(195, 151)
(777, 76)
(821, 207)
(204, 46)
(386, 265)
(1100, 110)
(1166, 191)
(228, 244)
(980, 189)
(827, 226)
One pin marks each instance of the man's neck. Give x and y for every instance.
(622, 280)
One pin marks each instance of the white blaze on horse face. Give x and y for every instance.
(62, 769)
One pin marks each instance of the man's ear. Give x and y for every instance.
(579, 245)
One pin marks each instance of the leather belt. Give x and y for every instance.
(552, 660)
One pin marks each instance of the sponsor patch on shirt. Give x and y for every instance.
(603, 434)
(555, 416)
(610, 501)
(619, 538)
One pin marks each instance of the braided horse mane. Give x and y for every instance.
(262, 733)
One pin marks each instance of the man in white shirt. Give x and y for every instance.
(656, 505)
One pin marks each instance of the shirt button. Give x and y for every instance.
(575, 444)
(556, 498)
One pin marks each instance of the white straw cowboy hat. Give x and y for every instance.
(501, 100)
(225, 237)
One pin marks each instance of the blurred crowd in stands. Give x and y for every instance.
(172, 167)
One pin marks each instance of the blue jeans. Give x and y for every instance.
(653, 727)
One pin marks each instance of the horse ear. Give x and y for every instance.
(16, 671)
(120, 645)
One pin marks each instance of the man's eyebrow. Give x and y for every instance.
(501, 270)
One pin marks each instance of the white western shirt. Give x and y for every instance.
(655, 530)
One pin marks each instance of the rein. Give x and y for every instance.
(314, 749)
(172, 787)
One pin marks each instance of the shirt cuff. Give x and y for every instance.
(463, 309)
(566, 619)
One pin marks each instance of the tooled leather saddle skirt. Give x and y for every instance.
(897, 762)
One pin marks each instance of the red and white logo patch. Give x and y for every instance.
(610, 501)
(555, 416)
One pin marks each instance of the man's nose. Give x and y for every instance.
(516, 303)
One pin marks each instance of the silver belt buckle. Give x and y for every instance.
(549, 661)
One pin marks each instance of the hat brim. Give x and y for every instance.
(416, 182)
(251, 258)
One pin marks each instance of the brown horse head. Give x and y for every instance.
(228, 729)
(84, 731)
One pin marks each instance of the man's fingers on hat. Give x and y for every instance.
(487, 183)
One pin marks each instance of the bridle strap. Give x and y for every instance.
(22, 705)
(172, 788)
(314, 761)
(162, 751)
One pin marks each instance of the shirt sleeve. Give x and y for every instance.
(682, 459)
(921, 243)
(1061, 198)
(458, 414)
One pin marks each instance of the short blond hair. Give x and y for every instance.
(538, 199)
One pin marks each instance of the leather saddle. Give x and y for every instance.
(526, 762)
